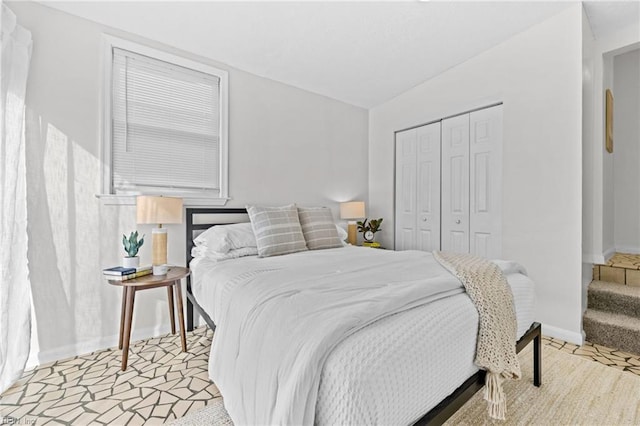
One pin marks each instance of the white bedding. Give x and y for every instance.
(406, 363)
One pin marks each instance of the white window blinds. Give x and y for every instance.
(165, 127)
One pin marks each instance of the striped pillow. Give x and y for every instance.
(277, 230)
(318, 228)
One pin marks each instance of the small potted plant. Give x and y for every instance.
(369, 229)
(131, 247)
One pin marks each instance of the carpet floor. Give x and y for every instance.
(574, 391)
(587, 384)
(567, 397)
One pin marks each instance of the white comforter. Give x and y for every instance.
(279, 323)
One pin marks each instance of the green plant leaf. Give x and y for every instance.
(131, 244)
(362, 226)
(374, 225)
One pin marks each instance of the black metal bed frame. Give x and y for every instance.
(437, 415)
(191, 227)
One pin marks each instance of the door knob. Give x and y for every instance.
(458, 221)
(424, 219)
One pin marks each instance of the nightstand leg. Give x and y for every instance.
(183, 335)
(122, 315)
(131, 293)
(171, 310)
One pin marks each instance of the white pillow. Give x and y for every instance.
(222, 238)
(342, 234)
(217, 256)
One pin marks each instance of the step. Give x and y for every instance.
(614, 298)
(615, 331)
(617, 274)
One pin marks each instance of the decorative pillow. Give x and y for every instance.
(222, 238)
(217, 256)
(277, 230)
(318, 228)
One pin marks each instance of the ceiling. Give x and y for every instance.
(357, 52)
(608, 16)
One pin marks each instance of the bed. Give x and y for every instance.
(412, 367)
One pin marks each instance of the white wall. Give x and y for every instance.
(286, 145)
(608, 200)
(626, 154)
(588, 139)
(538, 76)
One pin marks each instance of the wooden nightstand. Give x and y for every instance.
(172, 281)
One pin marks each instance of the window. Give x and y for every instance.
(165, 127)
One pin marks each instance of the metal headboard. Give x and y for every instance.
(193, 227)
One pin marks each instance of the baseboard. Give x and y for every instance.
(602, 259)
(81, 348)
(595, 259)
(628, 249)
(608, 254)
(562, 334)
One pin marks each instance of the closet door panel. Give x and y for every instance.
(455, 184)
(485, 201)
(428, 188)
(406, 189)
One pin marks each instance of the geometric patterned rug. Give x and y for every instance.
(613, 358)
(161, 383)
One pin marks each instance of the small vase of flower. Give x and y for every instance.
(369, 229)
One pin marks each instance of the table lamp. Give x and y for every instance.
(350, 211)
(159, 210)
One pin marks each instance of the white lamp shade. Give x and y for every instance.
(352, 210)
(159, 210)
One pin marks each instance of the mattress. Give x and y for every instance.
(406, 363)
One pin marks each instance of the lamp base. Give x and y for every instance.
(159, 249)
(160, 269)
(352, 233)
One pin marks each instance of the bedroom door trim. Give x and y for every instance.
(450, 116)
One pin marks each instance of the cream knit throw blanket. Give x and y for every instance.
(496, 348)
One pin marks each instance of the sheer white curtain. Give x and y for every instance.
(15, 293)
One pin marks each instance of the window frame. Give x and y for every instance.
(108, 195)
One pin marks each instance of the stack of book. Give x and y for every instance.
(373, 244)
(120, 273)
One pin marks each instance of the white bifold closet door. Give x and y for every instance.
(418, 188)
(406, 190)
(455, 184)
(448, 185)
(485, 194)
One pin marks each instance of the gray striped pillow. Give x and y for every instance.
(277, 230)
(318, 228)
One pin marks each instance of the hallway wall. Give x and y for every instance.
(626, 153)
